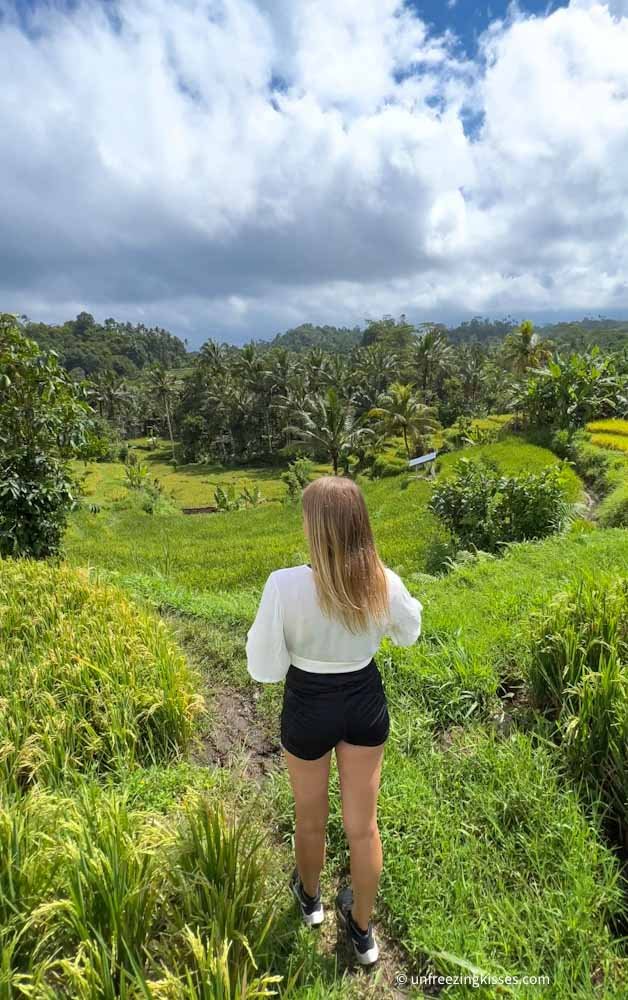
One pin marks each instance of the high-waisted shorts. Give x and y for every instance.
(319, 710)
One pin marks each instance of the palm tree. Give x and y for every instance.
(374, 368)
(213, 357)
(430, 358)
(163, 391)
(327, 424)
(110, 393)
(524, 349)
(400, 411)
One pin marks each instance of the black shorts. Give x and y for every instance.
(319, 710)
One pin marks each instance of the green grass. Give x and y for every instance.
(237, 550)
(491, 865)
(492, 859)
(190, 485)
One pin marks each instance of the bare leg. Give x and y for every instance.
(310, 781)
(359, 770)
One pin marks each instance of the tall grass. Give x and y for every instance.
(219, 869)
(578, 673)
(98, 901)
(88, 682)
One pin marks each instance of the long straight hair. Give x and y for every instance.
(349, 576)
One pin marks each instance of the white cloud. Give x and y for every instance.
(230, 167)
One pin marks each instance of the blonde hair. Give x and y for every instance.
(349, 576)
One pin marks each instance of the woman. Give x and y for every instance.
(319, 626)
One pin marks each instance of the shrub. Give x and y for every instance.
(484, 509)
(561, 443)
(226, 499)
(43, 422)
(296, 477)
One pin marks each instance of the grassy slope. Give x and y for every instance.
(192, 551)
(188, 485)
(488, 854)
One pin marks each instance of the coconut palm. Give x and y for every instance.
(524, 349)
(163, 390)
(326, 424)
(430, 357)
(110, 393)
(400, 411)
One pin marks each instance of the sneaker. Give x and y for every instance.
(364, 945)
(311, 906)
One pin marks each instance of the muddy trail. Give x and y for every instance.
(237, 737)
(236, 733)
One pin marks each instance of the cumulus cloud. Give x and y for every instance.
(229, 168)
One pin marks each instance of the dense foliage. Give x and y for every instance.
(86, 347)
(44, 420)
(485, 509)
(571, 390)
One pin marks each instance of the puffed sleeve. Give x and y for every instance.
(404, 626)
(266, 653)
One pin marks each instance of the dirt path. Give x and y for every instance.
(235, 732)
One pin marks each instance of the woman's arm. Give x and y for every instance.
(404, 627)
(266, 653)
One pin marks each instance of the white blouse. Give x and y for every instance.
(291, 628)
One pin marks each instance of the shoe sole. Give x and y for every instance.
(311, 919)
(362, 957)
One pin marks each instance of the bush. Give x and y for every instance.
(296, 477)
(43, 422)
(484, 509)
(560, 443)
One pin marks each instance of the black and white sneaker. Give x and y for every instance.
(364, 945)
(311, 906)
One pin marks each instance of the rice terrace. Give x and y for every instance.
(314, 500)
(146, 820)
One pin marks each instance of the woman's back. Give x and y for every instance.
(291, 628)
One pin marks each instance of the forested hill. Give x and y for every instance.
(335, 339)
(86, 347)
(609, 334)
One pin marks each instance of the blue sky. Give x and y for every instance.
(469, 18)
(154, 174)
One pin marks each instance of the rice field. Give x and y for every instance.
(136, 864)
(609, 434)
